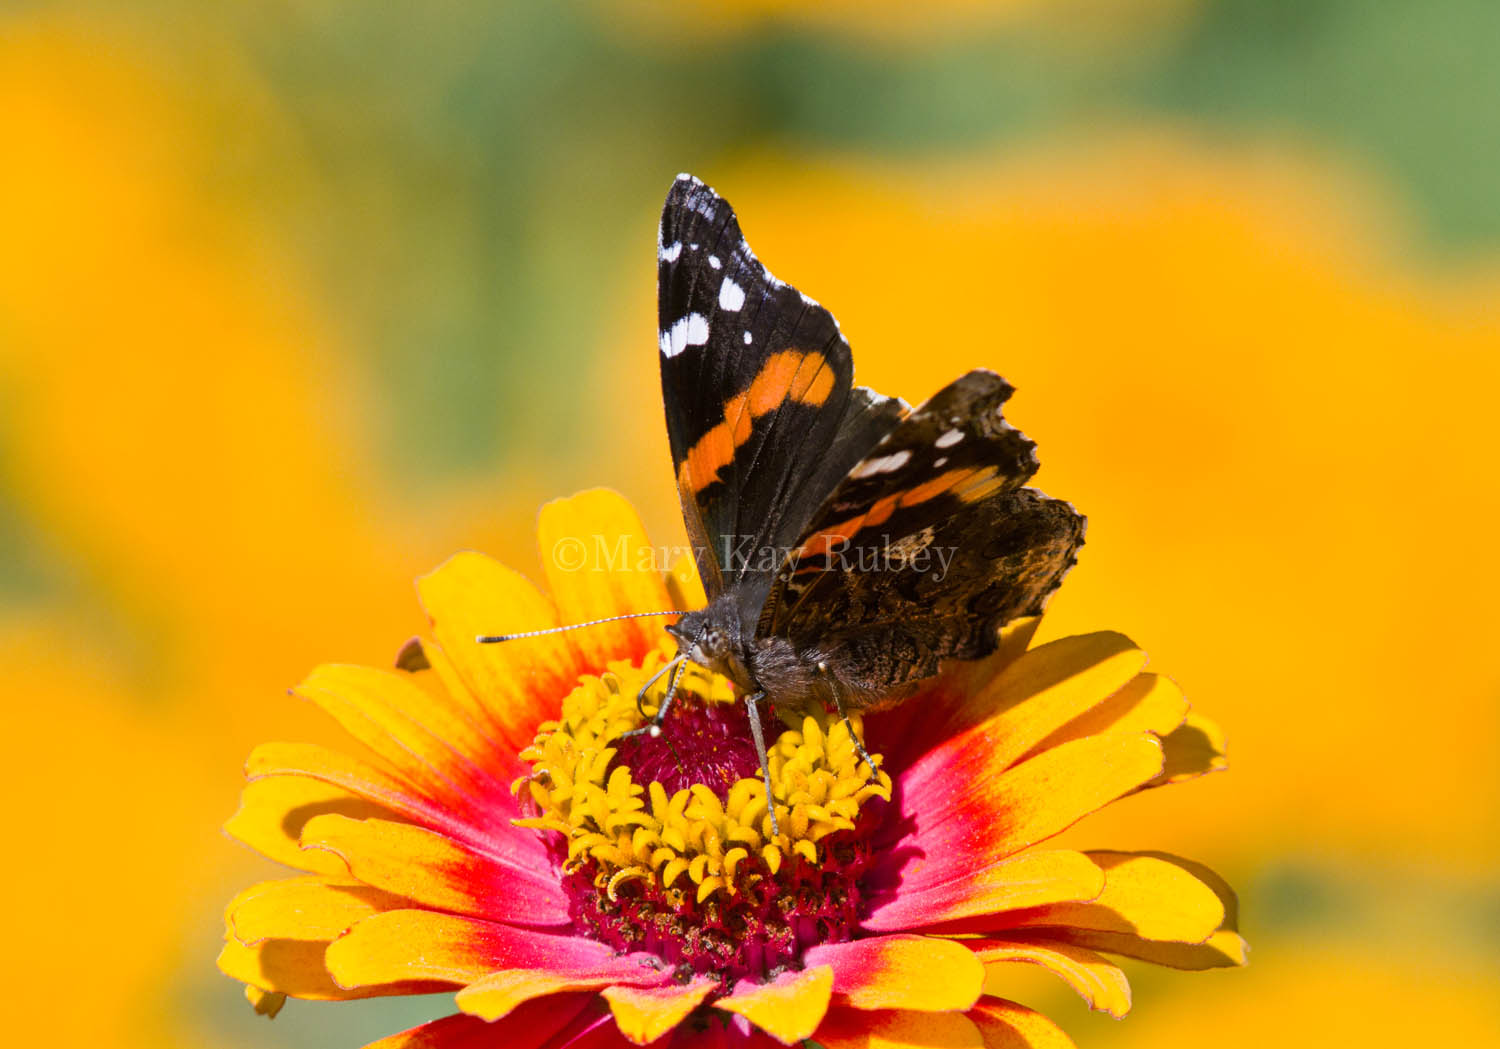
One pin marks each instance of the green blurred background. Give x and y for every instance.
(296, 298)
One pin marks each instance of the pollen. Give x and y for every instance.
(666, 842)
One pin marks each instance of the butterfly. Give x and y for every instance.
(847, 542)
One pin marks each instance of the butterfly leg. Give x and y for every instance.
(838, 705)
(752, 703)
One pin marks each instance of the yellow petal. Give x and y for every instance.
(847, 1028)
(265, 1003)
(644, 1014)
(297, 968)
(1006, 1025)
(1028, 879)
(1051, 685)
(499, 993)
(362, 778)
(1195, 748)
(788, 1008)
(303, 909)
(922, 973)
(1147, 703)
(1144, 895)
(432, 743)
(274, 809)
(435, 870)
(1096, 979)
(954, 814)
(684, 586)
(1225, 948)
(521, 682)
(530, 1027)
(599, 563)
(429, 668)
(411, 944)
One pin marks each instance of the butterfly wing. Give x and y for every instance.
(927, 547)
(756, 380)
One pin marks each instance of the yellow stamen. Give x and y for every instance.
(691, 842)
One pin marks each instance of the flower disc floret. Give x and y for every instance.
(686, 863)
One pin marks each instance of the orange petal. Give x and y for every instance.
(297, 968)
(789, 1008)
(1096, 979)
(1147, 703)
(435, 870)
(846, 1028)
(599, 563)
(1143, 895)
(1029, 879)
(274, 809)
(902, 972)
(951, 814)
(303, 909)
(521, 683)
(644, 1014)
(1195, 748)
(430, 742)
(1006, 1025)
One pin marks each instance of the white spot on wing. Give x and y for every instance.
(713, 260)
(747, 338)
(731, 296)
(884, 465)
(692, 330)
(670, 254)
(950, 438)
(940, 462)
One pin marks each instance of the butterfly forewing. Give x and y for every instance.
(756, 382)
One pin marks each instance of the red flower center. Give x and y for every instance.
(666, 842)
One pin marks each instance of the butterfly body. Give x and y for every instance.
(848, 543)
(807, 679)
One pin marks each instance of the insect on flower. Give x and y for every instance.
(847, 542)
(582, 871)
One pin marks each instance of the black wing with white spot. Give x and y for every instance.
(756, 380)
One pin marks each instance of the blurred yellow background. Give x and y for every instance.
(298, 298)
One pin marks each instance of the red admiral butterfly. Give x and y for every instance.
(847, 542)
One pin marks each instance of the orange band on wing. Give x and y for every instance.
(971, 484)
(789, 375)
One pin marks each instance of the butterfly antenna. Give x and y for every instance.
(495, 639)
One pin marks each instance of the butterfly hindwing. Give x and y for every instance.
(928, 545)
(756, 379)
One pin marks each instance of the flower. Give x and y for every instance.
(501, 840)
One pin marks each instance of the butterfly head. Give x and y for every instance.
(711, 637)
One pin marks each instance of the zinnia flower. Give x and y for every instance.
(499, 838)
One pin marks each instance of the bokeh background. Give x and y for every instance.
(297, 298)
